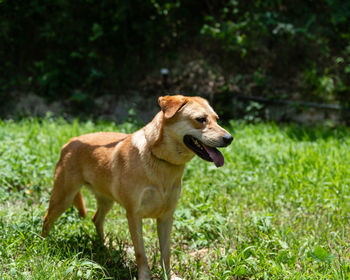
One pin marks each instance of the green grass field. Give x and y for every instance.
(278, 209)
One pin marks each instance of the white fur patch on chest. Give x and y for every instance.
(139, 141)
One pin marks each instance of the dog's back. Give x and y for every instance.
(88, 152)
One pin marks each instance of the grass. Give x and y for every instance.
(278, 209)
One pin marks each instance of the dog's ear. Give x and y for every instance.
(171, 104)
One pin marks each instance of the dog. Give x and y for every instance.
(142, 171)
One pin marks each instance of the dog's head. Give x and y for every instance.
(192, 121)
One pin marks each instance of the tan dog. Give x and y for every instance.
(141, 171)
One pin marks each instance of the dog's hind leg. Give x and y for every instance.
(104, 205)
(79, 203)
(64, 192)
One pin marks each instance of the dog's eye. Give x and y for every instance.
(201, 120)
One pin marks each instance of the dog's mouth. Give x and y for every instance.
(203, 151)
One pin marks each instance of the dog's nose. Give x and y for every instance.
(227, 138)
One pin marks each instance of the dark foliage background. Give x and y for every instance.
(76, 51)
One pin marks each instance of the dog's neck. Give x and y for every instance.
(163, 146)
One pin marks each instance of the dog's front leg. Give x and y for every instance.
(135, 227)
(164, 225)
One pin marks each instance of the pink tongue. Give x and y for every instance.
(215, 155)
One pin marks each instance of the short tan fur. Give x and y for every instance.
(141, 171)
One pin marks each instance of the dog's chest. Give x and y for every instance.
(156, 201)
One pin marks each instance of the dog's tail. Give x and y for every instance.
(79, 203)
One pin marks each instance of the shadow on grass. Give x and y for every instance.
(111, 257)
(315, 133)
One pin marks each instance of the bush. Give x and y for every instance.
(286, 46)
(77, 50)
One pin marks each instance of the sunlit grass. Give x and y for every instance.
(278, 209)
